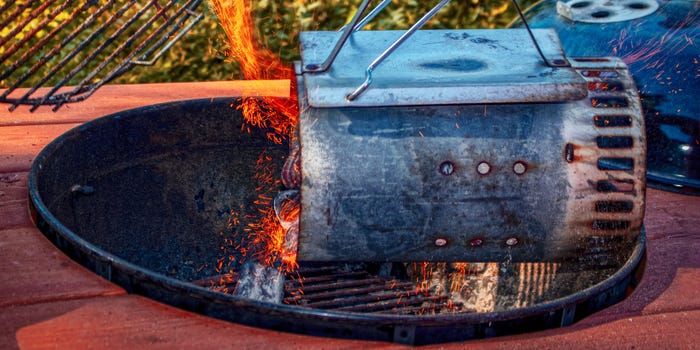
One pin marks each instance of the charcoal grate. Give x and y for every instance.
(356, 290)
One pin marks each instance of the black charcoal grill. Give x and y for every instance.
(144, 198)
(658, 39)
(473, 197)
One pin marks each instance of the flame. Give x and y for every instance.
(277, 115)
(257, 63)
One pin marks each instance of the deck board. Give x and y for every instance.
(20, 144)
(13, 200)
(32, 270)
(131, 321)
(113, 98)
(134, 322)
(49, 301)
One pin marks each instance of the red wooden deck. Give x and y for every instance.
(48, 301)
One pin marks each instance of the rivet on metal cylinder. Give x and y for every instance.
(569, 153)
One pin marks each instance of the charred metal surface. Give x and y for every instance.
(374, 189)
(421, 183)
(140, 197)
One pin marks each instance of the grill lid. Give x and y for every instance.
(440, 67)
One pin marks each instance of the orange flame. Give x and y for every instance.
(279, 115)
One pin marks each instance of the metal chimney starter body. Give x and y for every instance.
(467, 146)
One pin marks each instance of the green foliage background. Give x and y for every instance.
(201, 54)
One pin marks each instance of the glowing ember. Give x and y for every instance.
(277, 243)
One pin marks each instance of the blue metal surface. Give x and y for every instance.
(662, 51)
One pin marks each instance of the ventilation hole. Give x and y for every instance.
(610, 225)
(624, 186)
(608, 121)
(569, 153)
(599, 73)
(615, 163)
(600, 14)
(447, 168)
(605, 86)
(614, 141)
(591, 59)
(638, 5)
(581, 4)
(614, 206)
(519, 167)
(609, 102)
(483, 168)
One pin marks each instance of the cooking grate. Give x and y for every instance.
(352, 289)
(82, 43)
(356, 290)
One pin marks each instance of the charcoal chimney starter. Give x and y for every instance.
(465, 135)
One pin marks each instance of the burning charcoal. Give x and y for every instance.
(260, 282)
(291, 172)
(287, 205)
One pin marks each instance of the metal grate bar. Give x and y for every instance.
(368, 298)
(430, 309)
(133, 33)
(339, 285)
(129, 62)
(73, 53)
(33, 32)
(46, 57)
(337, 290)
(312, 280)
(44, 41)
(27, 20)
(124, 45)
(388, 305)
(341, 293)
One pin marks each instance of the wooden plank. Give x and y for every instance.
(13, 200)
(134, 322)
(113, 98)
(19, 145)
(129, 322)
(671, 214)
(32, 270)
(665, 331)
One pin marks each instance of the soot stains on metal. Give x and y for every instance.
(461, 65)
(160, 201)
